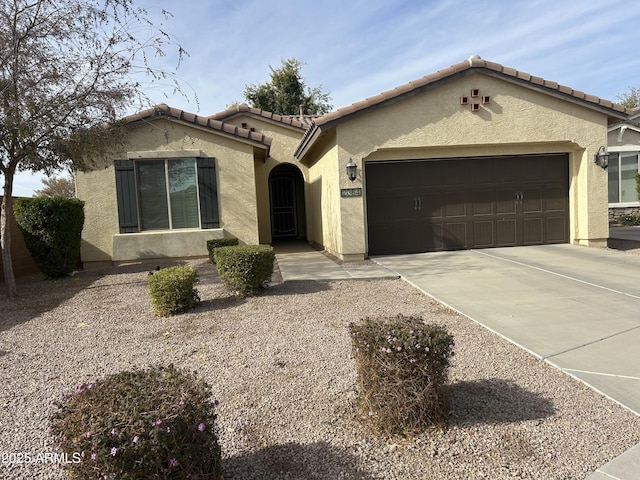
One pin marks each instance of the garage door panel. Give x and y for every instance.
(555, 199)
(532, 231)
(483, 234)
(432, 204)
(402, 176)
(482, 203)
(532, 200)
(454, 235)
(508, 170)
(455, 204)
(467, 203)
(383, 238)
(506, 232)
(454, 173)
(506, 201)
(532, 170)
(482, 171)
(554, 168)
(556, 230)
(433, 237)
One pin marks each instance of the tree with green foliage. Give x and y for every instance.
(287, 93)
(630, 99)
(68, 70)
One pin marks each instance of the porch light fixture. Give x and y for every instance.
(601, 157)
(352, 169)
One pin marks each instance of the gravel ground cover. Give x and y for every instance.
(281, 366)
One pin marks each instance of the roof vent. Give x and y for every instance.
(474, 57)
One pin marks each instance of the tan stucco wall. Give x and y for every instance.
(433, 124)
(236, 191)
(284, 142)
(324, 180)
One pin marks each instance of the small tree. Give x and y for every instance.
(68, 70)
(630, 99)
(57, 187)
(287, 94)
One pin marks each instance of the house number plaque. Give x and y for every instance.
(350, 192)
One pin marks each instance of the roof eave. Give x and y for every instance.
(164, 112)
(287, 121)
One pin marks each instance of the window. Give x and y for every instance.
(166, 194)
(623, 167)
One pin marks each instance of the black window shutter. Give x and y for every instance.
(208, 188)
(126, 192)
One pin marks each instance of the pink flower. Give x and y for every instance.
(114, 450)
(201, 427)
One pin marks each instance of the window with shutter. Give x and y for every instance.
(165, 194)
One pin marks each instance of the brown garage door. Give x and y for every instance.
(431, 205)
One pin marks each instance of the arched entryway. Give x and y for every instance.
(286, 198)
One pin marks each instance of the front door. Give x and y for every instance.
(286, 193)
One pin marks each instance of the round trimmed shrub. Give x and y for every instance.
(140, 424)
(217, 243)
(402, 365)
(172, 290)
(52, 229)
(244, 269)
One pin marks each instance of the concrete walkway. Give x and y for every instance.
(577, 308)
(299, 261)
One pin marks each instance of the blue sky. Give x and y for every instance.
(358, 48)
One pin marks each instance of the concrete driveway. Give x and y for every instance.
(578, 308)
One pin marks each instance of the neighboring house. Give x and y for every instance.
(624, 164)
(475, 155)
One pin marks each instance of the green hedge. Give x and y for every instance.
(245, 268)
(52, 229)
(217, 243)
(629, 220)
(172, 290)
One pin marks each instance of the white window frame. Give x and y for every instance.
(624, 149)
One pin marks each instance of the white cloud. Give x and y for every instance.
(360, 48)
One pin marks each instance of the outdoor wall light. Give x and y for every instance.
(601, 157)
(352, 169)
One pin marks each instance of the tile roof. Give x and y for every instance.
(164, 111)
(473, 63)
(297, 121)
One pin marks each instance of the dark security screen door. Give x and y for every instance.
(432, 205)
(283, 205)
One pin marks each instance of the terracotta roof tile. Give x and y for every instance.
(296, 121)
(163, 110)
(472, 62)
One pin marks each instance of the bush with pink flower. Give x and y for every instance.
(402, 365)
(140, 424)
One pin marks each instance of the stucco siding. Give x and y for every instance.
(234, 169)
(285, 141)
(326, 219)
(517, 120)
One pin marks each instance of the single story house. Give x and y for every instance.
(476, 155)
